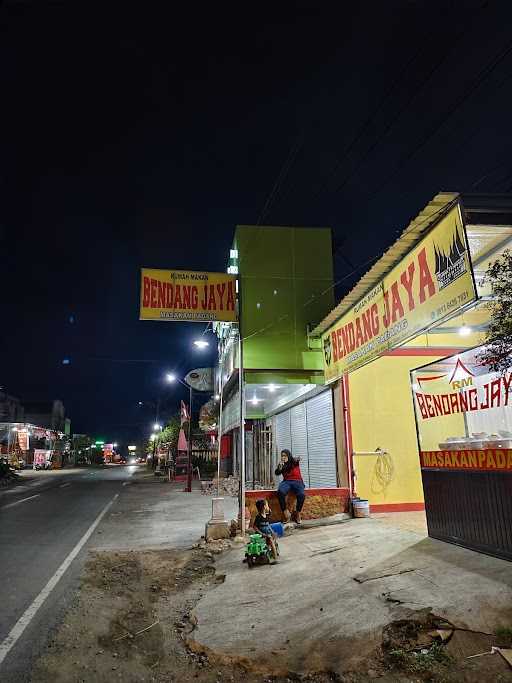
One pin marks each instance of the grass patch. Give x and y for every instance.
(420, 662)
(504, 636)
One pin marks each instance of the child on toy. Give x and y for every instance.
(262, 525)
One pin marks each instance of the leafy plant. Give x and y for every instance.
(504, 635)
(498, 353)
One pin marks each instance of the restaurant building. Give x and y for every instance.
(424, 303)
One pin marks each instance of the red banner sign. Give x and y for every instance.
(491, 460)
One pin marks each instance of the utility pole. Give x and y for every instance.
(189, 454)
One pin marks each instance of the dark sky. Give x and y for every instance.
(141, 137)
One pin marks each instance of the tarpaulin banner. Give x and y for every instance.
(23, 439)
(41, 456)
(187, 296)
(200, 379)
(432, 281)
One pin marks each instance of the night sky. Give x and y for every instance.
(141, 137)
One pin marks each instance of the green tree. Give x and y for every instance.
(169, 434)
(168, 437)
(498, 352)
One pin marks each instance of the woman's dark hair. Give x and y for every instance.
(260, 505)
(291, 462)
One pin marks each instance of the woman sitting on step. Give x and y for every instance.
(289, 468)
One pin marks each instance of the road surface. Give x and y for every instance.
(45, 529)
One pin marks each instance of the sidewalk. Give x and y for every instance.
(153, 513)
(323, 607)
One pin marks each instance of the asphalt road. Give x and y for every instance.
(45, 529)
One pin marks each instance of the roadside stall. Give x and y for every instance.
(464, 425)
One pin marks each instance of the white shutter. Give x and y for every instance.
(321, 442)
(299, 436)
(283, 432)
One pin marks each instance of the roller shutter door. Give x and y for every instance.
(283, 432)
(300, 438)
(321, 441)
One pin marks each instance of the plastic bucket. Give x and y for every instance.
(277, 528)
(361, 507)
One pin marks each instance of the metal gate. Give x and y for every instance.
(472, 509)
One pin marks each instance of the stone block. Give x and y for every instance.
(217, 510)
(216, 530)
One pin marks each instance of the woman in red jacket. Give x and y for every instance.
(289, 468)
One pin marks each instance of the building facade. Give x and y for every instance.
(285, 288)
(424, 305)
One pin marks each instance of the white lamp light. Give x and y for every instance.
(201, 343)
(271, 387)
(157, 426)
(170, 377)
(464, 331)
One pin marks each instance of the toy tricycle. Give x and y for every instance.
(257, 551)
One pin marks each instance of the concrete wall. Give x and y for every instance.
(381, 415)
(319, 503)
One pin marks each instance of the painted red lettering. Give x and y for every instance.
(495, 393)
(186, 296)
(367, 325)
(146, 291)
(154, 285)
(386, 318)
(406, 279)
(230, 302)
(161, 294)
(473, 399)
(396, 303)
(375, 319)
(359, 333)
(484, 406)
(194, 297)
(339, 343)
(221, 288)
(425, 277)
(421, 405)
(212, 304)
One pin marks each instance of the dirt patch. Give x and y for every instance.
(431, 648)
(133, 622)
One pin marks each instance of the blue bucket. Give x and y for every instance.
(277, 528)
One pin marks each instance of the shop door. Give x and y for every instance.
(321, 441)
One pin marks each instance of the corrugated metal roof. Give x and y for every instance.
(412, 234)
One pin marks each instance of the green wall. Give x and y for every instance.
(283, 274)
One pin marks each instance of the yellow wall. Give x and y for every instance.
(381, 412)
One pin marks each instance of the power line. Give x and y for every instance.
(285, 168)
(482, 76)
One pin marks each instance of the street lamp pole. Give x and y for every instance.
(189, 445)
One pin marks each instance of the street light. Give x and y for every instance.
(157, 426)
(201, 343)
